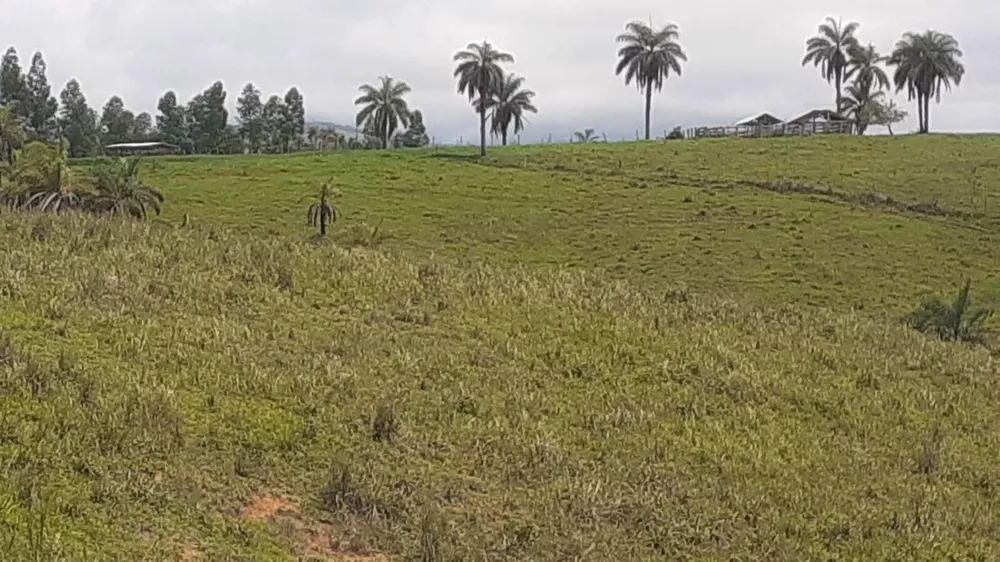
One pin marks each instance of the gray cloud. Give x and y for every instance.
(744, 55)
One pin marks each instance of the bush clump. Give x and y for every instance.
(957, 321)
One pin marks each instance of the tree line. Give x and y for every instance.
(926, 64)
(200, 126)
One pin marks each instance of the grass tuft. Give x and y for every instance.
(385, 425)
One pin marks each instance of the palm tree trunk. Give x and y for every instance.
(923, 114)
(482, 121)
(649, 105)
(920, 112)
(838, 78)
(927, 114)
(503, 136)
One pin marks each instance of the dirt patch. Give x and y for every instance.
(190, 554)
(266, 507)
(313, 540)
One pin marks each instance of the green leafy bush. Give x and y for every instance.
(957, 321)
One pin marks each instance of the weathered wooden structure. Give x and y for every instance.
(760, 120)
(815, 122)
(141, 149)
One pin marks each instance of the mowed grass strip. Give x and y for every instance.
(195, 392)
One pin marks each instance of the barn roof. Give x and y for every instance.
(127, 145)
(763, 118)
(826, 114)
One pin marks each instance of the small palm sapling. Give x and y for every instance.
(323, 213)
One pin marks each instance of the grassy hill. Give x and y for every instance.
(839, 222)
(234, 390)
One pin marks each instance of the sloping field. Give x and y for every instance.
(195, 394)
(627, 352)
(843, 223)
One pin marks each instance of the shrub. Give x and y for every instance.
(42, 180)
(957, 321)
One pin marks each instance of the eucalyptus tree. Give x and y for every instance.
(12, 135)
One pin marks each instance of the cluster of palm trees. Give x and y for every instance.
(37, 176)
(926, 64)
(496, 95)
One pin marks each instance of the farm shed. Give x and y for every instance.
(142, 148)
(818, 116)
(761, 119)
(824, 121)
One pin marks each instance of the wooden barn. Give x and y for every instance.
(760, 120)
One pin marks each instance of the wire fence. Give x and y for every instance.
(737, 131)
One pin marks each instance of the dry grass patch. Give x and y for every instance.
(154, 380)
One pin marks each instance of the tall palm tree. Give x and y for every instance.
(830, 50)
(648, 56)
(870, 80)
(588, 135)
(479, 74)
(120, 191)
(926, 63)
(384, 108)
(508, 104)
(863, 67)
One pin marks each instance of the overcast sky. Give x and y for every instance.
(744, 55)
